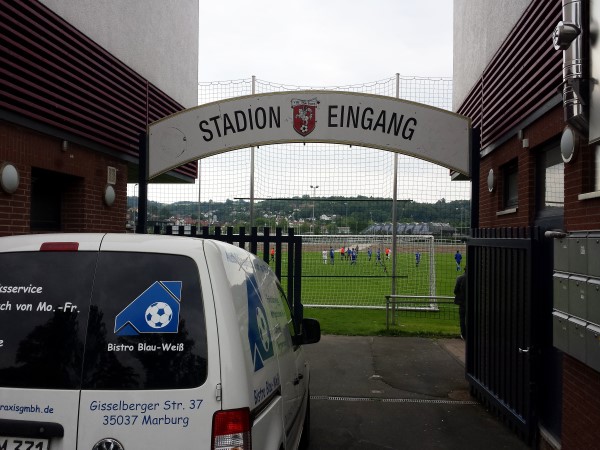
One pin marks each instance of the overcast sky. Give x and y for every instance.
(324, 42)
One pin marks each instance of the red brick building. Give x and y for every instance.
(536, 172)
(71, 111)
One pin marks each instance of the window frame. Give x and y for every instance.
(510, 184)
(548, 157)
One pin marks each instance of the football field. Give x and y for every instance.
(365, 282)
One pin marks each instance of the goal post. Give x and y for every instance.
(355, 271)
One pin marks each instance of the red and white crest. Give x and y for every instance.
(305, 115)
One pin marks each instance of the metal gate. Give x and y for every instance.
(258, 243)
(502, 333)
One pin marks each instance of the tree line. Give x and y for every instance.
(330, 213)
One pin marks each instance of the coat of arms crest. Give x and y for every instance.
(305, 115)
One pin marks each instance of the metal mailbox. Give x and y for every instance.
(593, 248)
(561, 291)
(593, 300)
(561, 254)
(577, 338)
(578, 254)
(593, 347)
(560, 334)
(578, 296)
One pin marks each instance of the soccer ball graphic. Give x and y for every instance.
(158, 315)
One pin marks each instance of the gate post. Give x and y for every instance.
(142, 184)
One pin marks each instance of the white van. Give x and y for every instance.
(140, 342)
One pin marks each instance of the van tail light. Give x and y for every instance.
(231, 430)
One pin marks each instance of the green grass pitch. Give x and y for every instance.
(366, 283)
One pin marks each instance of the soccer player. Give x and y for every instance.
(458, 259)
(460, 298)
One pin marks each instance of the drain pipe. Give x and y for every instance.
(570, 36)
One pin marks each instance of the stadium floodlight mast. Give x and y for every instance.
(461, 227)
(346, 203)
(314, 188)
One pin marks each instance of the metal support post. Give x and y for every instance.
(141, 226)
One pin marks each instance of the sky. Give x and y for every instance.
(319, 43)
(324, 42)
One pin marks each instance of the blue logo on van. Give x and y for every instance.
(156, 310)
(259, 335)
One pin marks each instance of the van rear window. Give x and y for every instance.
(44, 303)
(108, 320)
(146, 327)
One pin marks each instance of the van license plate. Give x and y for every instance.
(16, 443)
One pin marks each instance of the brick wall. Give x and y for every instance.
(581, 406)
(581, 384)
(579, 178)
(538, 133)
(83, 207)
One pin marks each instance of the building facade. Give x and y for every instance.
(537, 189)
(81, 81)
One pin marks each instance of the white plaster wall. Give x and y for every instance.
(480, 28)
(156, 38)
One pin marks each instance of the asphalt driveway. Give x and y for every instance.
(397, 393)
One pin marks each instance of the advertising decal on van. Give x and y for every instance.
(156, 310)
(259, 335)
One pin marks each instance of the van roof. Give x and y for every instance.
(92, 241)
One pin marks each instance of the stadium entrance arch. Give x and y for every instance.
(314, 116)
(331, 117)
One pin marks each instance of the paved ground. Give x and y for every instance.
(397, 393)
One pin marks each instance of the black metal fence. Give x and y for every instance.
(501, 315)
(258, 244)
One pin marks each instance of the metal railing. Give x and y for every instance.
(420, 305)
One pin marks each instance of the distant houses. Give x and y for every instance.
(419, 228)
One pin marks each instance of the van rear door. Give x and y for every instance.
(99, 347)
(44, 304)
(147, 382)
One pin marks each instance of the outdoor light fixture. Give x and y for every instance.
(64, 146)
(314, 188)
(568, 142)
(9, 178)
(523, 139)
(490, 180)
(109, 195)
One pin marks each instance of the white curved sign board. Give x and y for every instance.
(364, 120)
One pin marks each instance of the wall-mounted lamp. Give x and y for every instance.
(491, 182)
(64, 146)
(109, 195)
(569, 141)
(9, 178)
(523, 139)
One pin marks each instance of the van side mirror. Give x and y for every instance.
(311, 332)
